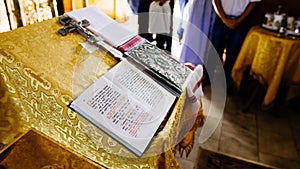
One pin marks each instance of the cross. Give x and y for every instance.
(70, 25)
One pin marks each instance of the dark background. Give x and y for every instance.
(290, 7)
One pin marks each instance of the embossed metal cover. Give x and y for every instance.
(160, 65)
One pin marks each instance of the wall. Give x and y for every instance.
(290, 7)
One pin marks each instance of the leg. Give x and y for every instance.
(147, 36)
(219, 43)
(234, 45)
(235, 42)
(219, 36)
(168, 43)
(143, 21)
(160, 41)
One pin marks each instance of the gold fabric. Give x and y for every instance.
(42, 153)
(187, 143)
(271, 60)
(41, 72)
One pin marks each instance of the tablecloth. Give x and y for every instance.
(272, 61)
(42, 71)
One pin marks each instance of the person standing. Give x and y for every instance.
(229, 31)
(164, 41)
(161, 22)
(143, 19)
(180, 29)
(198, 32)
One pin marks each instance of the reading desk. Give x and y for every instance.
(41, 72)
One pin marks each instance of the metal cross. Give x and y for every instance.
(70, 25)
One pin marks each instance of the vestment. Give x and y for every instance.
(198, 32)
(159, 17)
(134, 5)
(164, 37)
(143, 21)
(180, 29)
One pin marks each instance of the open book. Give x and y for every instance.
(126, 104)
(102, 25)
(155, 62)
(133, 98)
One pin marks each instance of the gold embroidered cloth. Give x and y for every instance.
(42, 152)
(41, 71)
(271, 59)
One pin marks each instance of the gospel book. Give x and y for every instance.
(155, 62)
(133, 98)
(126, 104)
(160, 66)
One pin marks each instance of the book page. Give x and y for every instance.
(134, 81)
(102, 25)
(96, 18)
(126, 103)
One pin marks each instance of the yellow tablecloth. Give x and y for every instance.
(39, 70)
(272, 60)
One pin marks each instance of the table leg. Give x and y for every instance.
(250, 100)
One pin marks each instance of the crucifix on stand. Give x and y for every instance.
(70, 25)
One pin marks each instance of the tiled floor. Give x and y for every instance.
(267, 137)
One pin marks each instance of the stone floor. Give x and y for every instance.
(269, 137)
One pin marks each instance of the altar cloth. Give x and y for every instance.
(42, 71)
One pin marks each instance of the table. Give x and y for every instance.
(272, 61)
(40, 73)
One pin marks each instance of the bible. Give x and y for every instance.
(160, 66)
(133, 98)
(126, 104)
(155, 62)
